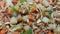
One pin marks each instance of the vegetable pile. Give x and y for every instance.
(29, 16)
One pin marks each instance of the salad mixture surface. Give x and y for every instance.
(29, 16)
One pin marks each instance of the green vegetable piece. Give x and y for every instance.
(50, 11)
(22, 1)
(49, 16)
(29, 31)
(15, 8)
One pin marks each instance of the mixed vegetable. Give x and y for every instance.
(29, 16)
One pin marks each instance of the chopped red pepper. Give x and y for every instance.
(3, 31)
(15, 1)
(53, 3)
(33, 10)
(2, 4)
(19, 10)
(8, 11)
(31, 18)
